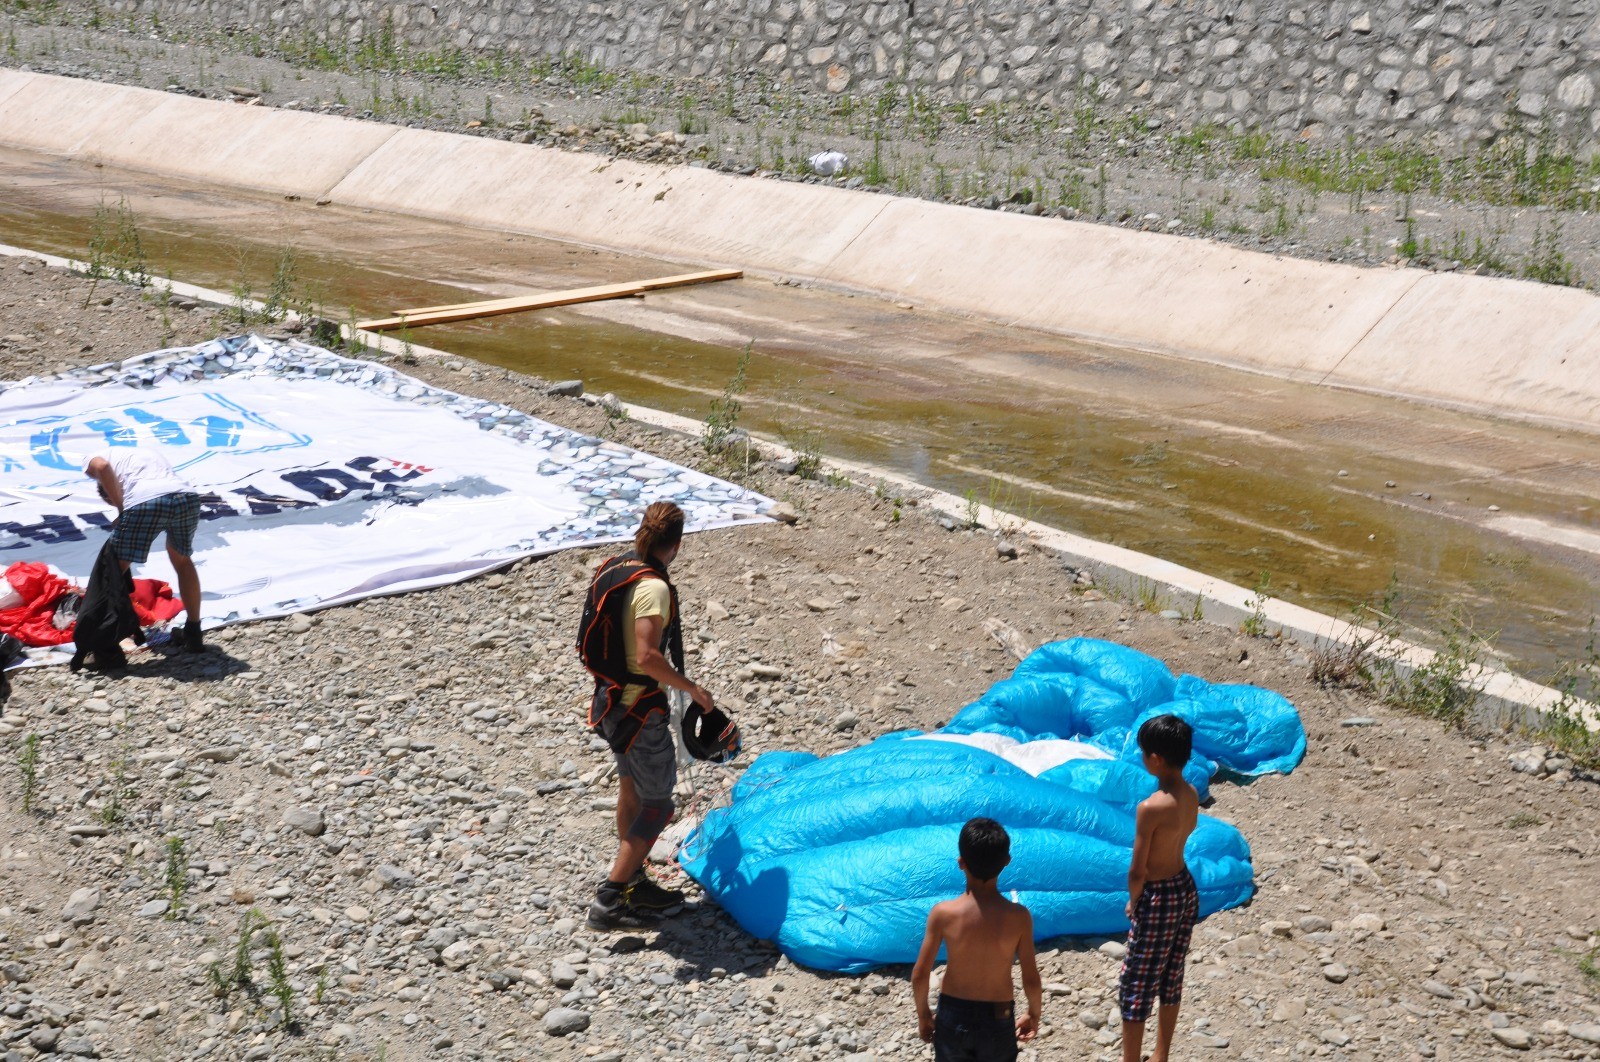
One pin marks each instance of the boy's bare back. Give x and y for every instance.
(982, 937)
(1166, 818)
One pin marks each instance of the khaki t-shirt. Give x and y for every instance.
(648, 597)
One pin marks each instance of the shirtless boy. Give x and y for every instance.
(1162, 902)
(983, 934)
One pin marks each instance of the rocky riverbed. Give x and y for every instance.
(397, 809)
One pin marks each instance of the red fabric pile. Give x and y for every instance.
(30, 622)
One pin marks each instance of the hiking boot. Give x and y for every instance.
(190, 639)
(615, 914)
(645, 895)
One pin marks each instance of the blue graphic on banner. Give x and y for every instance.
(160, 422)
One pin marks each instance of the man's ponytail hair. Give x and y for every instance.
(661, 528)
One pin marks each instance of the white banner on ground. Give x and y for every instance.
(323, 480)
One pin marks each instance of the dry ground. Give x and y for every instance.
(1417, 898)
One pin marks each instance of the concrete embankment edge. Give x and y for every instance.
(1506, 347)
(1505, 698)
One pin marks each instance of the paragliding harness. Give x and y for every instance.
(604, 653)
(710, 736)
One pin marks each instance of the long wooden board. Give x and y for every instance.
(468, 311)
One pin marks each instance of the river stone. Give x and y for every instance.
(306, 820)
(81, 906)
(1588, 1032)
(1517, 1039)
(564, 1021)
(393, 877)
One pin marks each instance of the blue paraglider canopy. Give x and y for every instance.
(839, 859)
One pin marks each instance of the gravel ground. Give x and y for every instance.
(1083, 162)
(404, 791)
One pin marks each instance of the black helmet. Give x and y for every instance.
(710, 735)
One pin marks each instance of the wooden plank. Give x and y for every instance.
(620, 291)
(468, 311)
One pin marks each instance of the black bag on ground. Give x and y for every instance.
(106, 616)
(11, 651)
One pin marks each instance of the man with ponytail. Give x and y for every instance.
(631, 641)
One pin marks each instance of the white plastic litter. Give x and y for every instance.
(1035, 757)
(828, 163)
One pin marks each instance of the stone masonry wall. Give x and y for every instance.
(1453, 70)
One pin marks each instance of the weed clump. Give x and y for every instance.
(226, 980)
(116, 250)
(28, 767)
(177, 875)
(1564, 724)
(1254, 624)
(723, 419)
(1449, 684)
(1352, 664)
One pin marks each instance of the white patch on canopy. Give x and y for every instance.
(1035, 757)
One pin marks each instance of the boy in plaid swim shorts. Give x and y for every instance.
(1163, 904)
(152, 500)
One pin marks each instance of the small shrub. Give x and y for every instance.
(1009, 508)
(28, 764)
(280, 292)
(1408, 246)
(278, 978)
(177, 875)
(1350, 665)
(1564, 725)
(724, 415)
(1448, 685)
(116, 250)
(972, 509)
(1589, 967)
(1255, 624)
(241, 976)
(243, 291)
(114, 810)
(616, 415)
(807, 447)
(1546, 261)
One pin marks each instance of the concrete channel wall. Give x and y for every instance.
(1456, 71)
(1506, 347)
